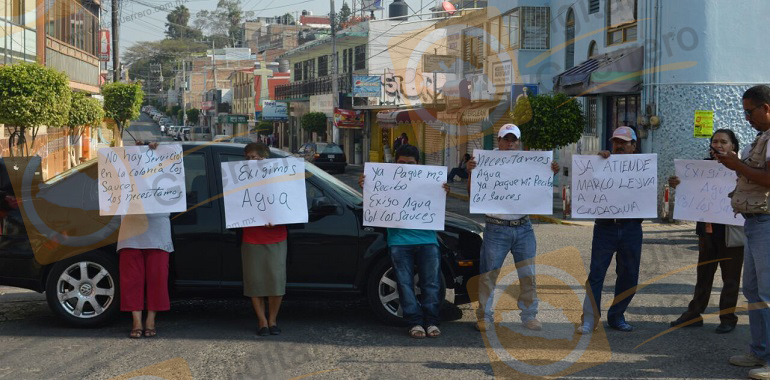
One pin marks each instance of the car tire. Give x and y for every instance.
(381, 289)
(76, 298)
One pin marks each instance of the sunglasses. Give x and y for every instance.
(749, 112)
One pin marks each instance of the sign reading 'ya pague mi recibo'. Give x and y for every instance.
(140, 180)
(404, 196)
(261, 192)
(623, 186)
(512, 182)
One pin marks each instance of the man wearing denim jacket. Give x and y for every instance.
(505, 233)
(750, 198)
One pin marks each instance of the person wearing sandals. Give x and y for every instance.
(263, 255)
(416, 247)
(144, 244)
(712, 246)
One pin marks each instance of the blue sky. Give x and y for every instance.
(151, 25)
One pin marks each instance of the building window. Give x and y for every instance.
(591, 116)
(344, 60)
(528, 28)
(297, 71)
(71, 23)
(592, 50)
(323, 66)
(569, 39)
(17, 40)
(621, 21)
(360, 57)
(473, 49)
(593, 6)
(349, 62)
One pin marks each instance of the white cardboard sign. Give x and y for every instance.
(623, 186)
(261, 192)
(404, 196)
(511, 182)
(140, 180)
(702, 194)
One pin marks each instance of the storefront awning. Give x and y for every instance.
(394, 118)
(618, 72)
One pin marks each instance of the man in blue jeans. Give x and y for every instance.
(505, 233)
(623, 236)
(416, 247)
(750, 198)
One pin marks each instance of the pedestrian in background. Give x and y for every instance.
(712, 246)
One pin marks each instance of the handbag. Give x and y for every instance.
(734, 236)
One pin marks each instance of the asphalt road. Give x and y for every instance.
(144, 129)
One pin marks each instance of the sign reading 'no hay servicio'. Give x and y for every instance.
(140, 180)
(404, 196)
(623, 186)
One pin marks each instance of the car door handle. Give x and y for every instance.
(368, 229)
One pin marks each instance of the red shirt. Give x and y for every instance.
(264, 235)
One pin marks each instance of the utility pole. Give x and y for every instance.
(115, 39)
(184, 92)
(335, 67)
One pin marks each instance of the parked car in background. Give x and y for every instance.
(222, 138)
(201, 134)
(327, 156)
(333, 255)
(185, 134)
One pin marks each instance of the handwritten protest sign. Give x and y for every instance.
(622, 186)
(140, 180)
(404, 196)
(512, 182)
(258, 192)
(702, 194)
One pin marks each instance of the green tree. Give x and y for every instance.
(122, 102)
(84, 112)
(287, 19)
(264, 127)
(176, 25)
(227, 19)
(180, 116)
(192, 116)
(31, 96)
(174, 111)
(344, 15)
(557, 120)
(314, 122)
(165, 52)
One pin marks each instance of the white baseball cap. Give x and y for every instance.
(509, 128)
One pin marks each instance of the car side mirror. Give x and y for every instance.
(323, 206)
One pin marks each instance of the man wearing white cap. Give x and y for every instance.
(623, 236)
(505, 233)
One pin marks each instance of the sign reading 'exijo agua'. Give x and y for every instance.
(702, 195)
(404, 196)
(512, 182)
(622, 186)
(140, 180)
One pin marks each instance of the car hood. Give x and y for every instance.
(461, 222)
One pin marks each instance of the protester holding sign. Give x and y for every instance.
(263, 255)
(410, 247)
(750, 198)
(144, 244)
(623, 236)
(712, 252)
(505, 233)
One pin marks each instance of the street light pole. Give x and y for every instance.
(335, 67)
(115, 53)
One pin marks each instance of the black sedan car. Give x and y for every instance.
(55, 241)
(327, 156)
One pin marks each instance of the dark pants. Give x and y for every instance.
(625, 238)
(712, 247)
(427, 258)
(460, 172)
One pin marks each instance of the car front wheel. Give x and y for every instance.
(83, 290)
(382, 292)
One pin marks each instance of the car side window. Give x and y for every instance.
(313, 192)
(196, 180)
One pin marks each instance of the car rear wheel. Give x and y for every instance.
(382, 292)
(83, 290)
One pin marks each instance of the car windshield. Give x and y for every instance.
(329, 149)
(335, 185)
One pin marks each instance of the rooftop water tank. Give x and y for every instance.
(398, 10)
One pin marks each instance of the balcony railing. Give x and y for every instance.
(315, 86)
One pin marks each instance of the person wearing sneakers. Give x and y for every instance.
(623, 236)
(750, 198)
(505, 233)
